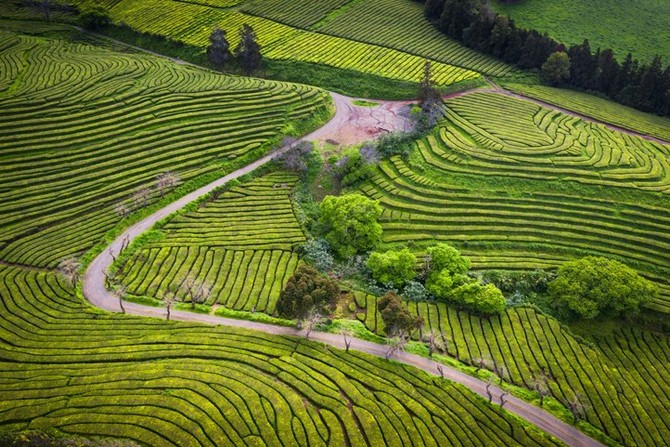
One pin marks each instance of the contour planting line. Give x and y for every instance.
(96, 293)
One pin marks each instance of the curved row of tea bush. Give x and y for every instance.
(492, 134)
(66, 366)
(192, 24)
(622, 380)
(240, 244)
(525, 232)
(83, 128)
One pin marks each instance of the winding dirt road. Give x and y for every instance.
(95, 291)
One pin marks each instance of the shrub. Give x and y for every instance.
(392, 267)
(392, 144)
(352, 169)
(305, 291)
(349, 223)
(415, 291)
(397, 318)
(594, 286)
(317, 253)
(481, 299)
(444, 256)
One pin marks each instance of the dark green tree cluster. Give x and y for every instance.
(397, 318)
(247, 53)
(94, 18)
(305, 292)
(642, 86)
(594, 286)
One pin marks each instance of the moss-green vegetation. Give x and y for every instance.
(240, 244)
(72, 368)
(607, 372)
(639, 27)
(598, 108)
(85, 131)
(524, 187)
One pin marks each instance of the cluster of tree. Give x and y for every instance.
(94, 17)
(643, 86)
(594, 286)
(247, 54)
(445, 278)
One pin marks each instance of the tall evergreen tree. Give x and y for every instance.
(248, 51)
(433, 9)
(584, 66)
(218, 50)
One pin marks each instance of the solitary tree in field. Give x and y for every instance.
(119, 294)
(166, 181)
(397, 318)
(248, 51)
(69, 268)
(218, 49)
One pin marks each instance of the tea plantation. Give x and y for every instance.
(241, 244)
(623, 376)
(66, 366)
(85, 130)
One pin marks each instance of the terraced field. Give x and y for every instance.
(83, 128)
(521, 232)
(525, 140)
(598, 108)
(622, 379)
(67, 366)
(285, 34)
(240, 244)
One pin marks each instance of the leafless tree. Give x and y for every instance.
(111, 253)
(69, 268)
(577, 407)
(395, 345)
(488, 389)
(166, 181)
(480, 363)
(313, 318)
(120, 292)
(440, 369)
(346, 333)
(541, 385)
(436, 342)
(169, 301)
(503, 399)
(294, 159)
(125, 243)
(141, 196)
(501, 372)
(196, 290)
(121, 209)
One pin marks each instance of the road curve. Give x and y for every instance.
(97, 294)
